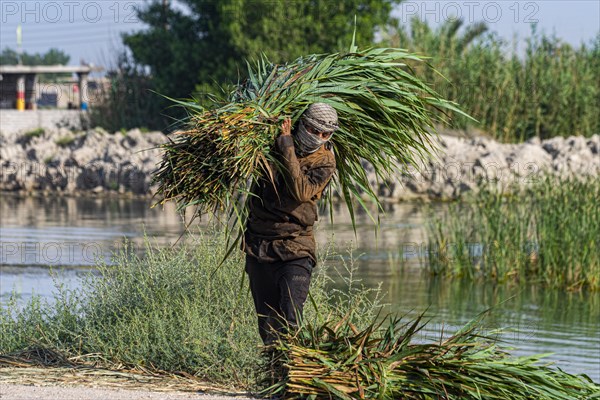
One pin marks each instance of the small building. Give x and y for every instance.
(20, 89)
(60, 104)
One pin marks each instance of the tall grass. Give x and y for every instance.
(548, 233)
(162, 312)
(549, 90)
(172, 310)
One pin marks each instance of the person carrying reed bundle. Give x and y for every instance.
(279, 241)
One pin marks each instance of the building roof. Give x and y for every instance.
(47, 69)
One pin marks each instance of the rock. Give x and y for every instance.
(84, 155)
(128, 142)
(10, 152)
(524, 156)
(99, 161)
(491, 166)
(101, 131)
(31, 154)
(30, 182)
(466, 187)
(554, 146)
(535, 140)
(576, 143)
(90, 177)
(93, 138)
(593, 144)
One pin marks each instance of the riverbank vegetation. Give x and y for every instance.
(536, 86)
(545, 233)
(549, 88)
(173, 312)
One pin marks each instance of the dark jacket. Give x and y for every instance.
(280, 224)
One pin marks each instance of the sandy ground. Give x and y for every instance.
(80, 383)
(23, 392)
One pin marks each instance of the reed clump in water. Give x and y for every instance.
(546, 233)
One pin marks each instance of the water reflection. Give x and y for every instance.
(533, 319)
(58, 231)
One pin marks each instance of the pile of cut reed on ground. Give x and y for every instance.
(546, 233)
(337, 360)
(385, 117)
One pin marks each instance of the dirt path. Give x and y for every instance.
(81, 383)
(22, 392)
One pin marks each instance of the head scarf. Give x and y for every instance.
(322, 118)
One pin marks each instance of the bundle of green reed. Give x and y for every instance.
(386, 115)
(337, 361)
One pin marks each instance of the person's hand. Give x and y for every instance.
(286, 127)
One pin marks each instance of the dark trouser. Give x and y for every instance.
(279, 291)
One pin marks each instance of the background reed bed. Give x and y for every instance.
(548, 88)
(546, 233)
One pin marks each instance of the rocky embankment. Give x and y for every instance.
(122, 163)
(75, 163)
(463, 164)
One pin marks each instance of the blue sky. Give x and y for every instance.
(90, 30)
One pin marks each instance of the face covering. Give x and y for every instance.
(322, 118)
(306, 142)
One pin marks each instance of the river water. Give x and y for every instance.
(47, 239)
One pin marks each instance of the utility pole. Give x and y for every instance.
(20, 101)
(165, 5)
(19, 45)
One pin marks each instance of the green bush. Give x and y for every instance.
(171, 310)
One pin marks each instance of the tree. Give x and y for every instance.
(51, 57)
(203, 44)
